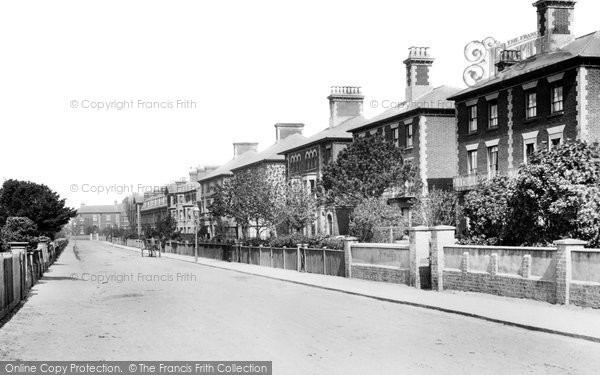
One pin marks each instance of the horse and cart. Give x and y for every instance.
(151, 246)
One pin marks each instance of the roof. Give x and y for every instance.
(225, 169)
(339, 132)
(584, 46)
(272, 153)
(106, 209)
(182, 187)
(434, 99)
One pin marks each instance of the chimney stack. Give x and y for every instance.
(418, 65)
(243, 147)
(284, 130)
(345, 102)
(555, 21)
(508, 57)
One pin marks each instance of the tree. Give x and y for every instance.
(19, 229)
(166, 228)
(437, 207)
(297, 207)
(250, 198)
(372, 213)
(36, 202)
(556, 195)
(365, 169)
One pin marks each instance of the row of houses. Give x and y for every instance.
(454, 137)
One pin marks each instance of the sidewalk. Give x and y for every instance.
(569, 321)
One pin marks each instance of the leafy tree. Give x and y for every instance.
(36, 202)
(19, 229)
(365, 169)
(372, 213)
(166, 228)
(556, 196)
(297, 206)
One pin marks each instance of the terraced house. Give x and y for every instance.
(423, 126)
(305, 162)
(207, 183)
(270, 164)
(530, 103)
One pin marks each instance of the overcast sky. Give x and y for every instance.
(246, 64)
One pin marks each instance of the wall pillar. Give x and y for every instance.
(563, 267)
(419, 239)
(440, 236)
(348, 241)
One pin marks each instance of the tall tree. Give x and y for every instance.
(36, 202)
(296, 207)
(365, 169)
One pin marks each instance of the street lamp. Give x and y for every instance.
(196, 216)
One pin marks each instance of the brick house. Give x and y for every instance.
(98, 218)
(540, 101)
(305, 161)
(181, 200)
(207, 183)
(423, 126)
(287, 135)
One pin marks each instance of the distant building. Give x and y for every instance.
(154, 209)
(95, 219)
(181, 200)
(532, 103)
(132, 206)
(423, 126)
(208, 223)
(305, 161)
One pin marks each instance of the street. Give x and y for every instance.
(104, 303)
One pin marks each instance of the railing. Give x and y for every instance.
(468, 182)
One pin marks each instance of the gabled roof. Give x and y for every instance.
(434, 99)
(272, 153)
(225, 169)
(339, 132)
(585, 46)
(105, 209)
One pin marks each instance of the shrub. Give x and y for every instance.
(438, 207)
(372, 213)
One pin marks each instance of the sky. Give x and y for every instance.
(99, 99)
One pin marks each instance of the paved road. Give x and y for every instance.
(202, 313)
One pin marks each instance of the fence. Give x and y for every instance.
(21, 268)
(302, 259)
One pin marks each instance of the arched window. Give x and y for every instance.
(329, 224)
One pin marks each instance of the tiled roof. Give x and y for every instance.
(340, 131)
(584, 46)
(180, 188)
(225, 169)
(106, 209)
(272, 153)
(434, 99)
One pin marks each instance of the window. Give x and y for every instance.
(328, 155)
(472, 118)
(531, 104)
(409, 136)
(472, 162)
(557, 99)
(555, 136)
(555, 142)
(493, 115)
(492, 154)
(529, 150)
(396, 137)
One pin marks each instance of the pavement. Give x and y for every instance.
(100, 302)
(571, 321)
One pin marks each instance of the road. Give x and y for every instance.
(106, 303)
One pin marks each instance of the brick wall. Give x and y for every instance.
(593, 104)
(380, 273)
(501, 285)
(441, 147)
(585, 294)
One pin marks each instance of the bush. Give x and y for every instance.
(438, 207)
(293, 240)
(372, 213)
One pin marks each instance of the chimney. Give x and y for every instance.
(204, 171)
(345, 102)
(555, 21)
(284, 130)
(243, 147)
(418, 65)
(508, 58)
(194, 174)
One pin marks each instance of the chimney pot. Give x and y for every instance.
(345, 102)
